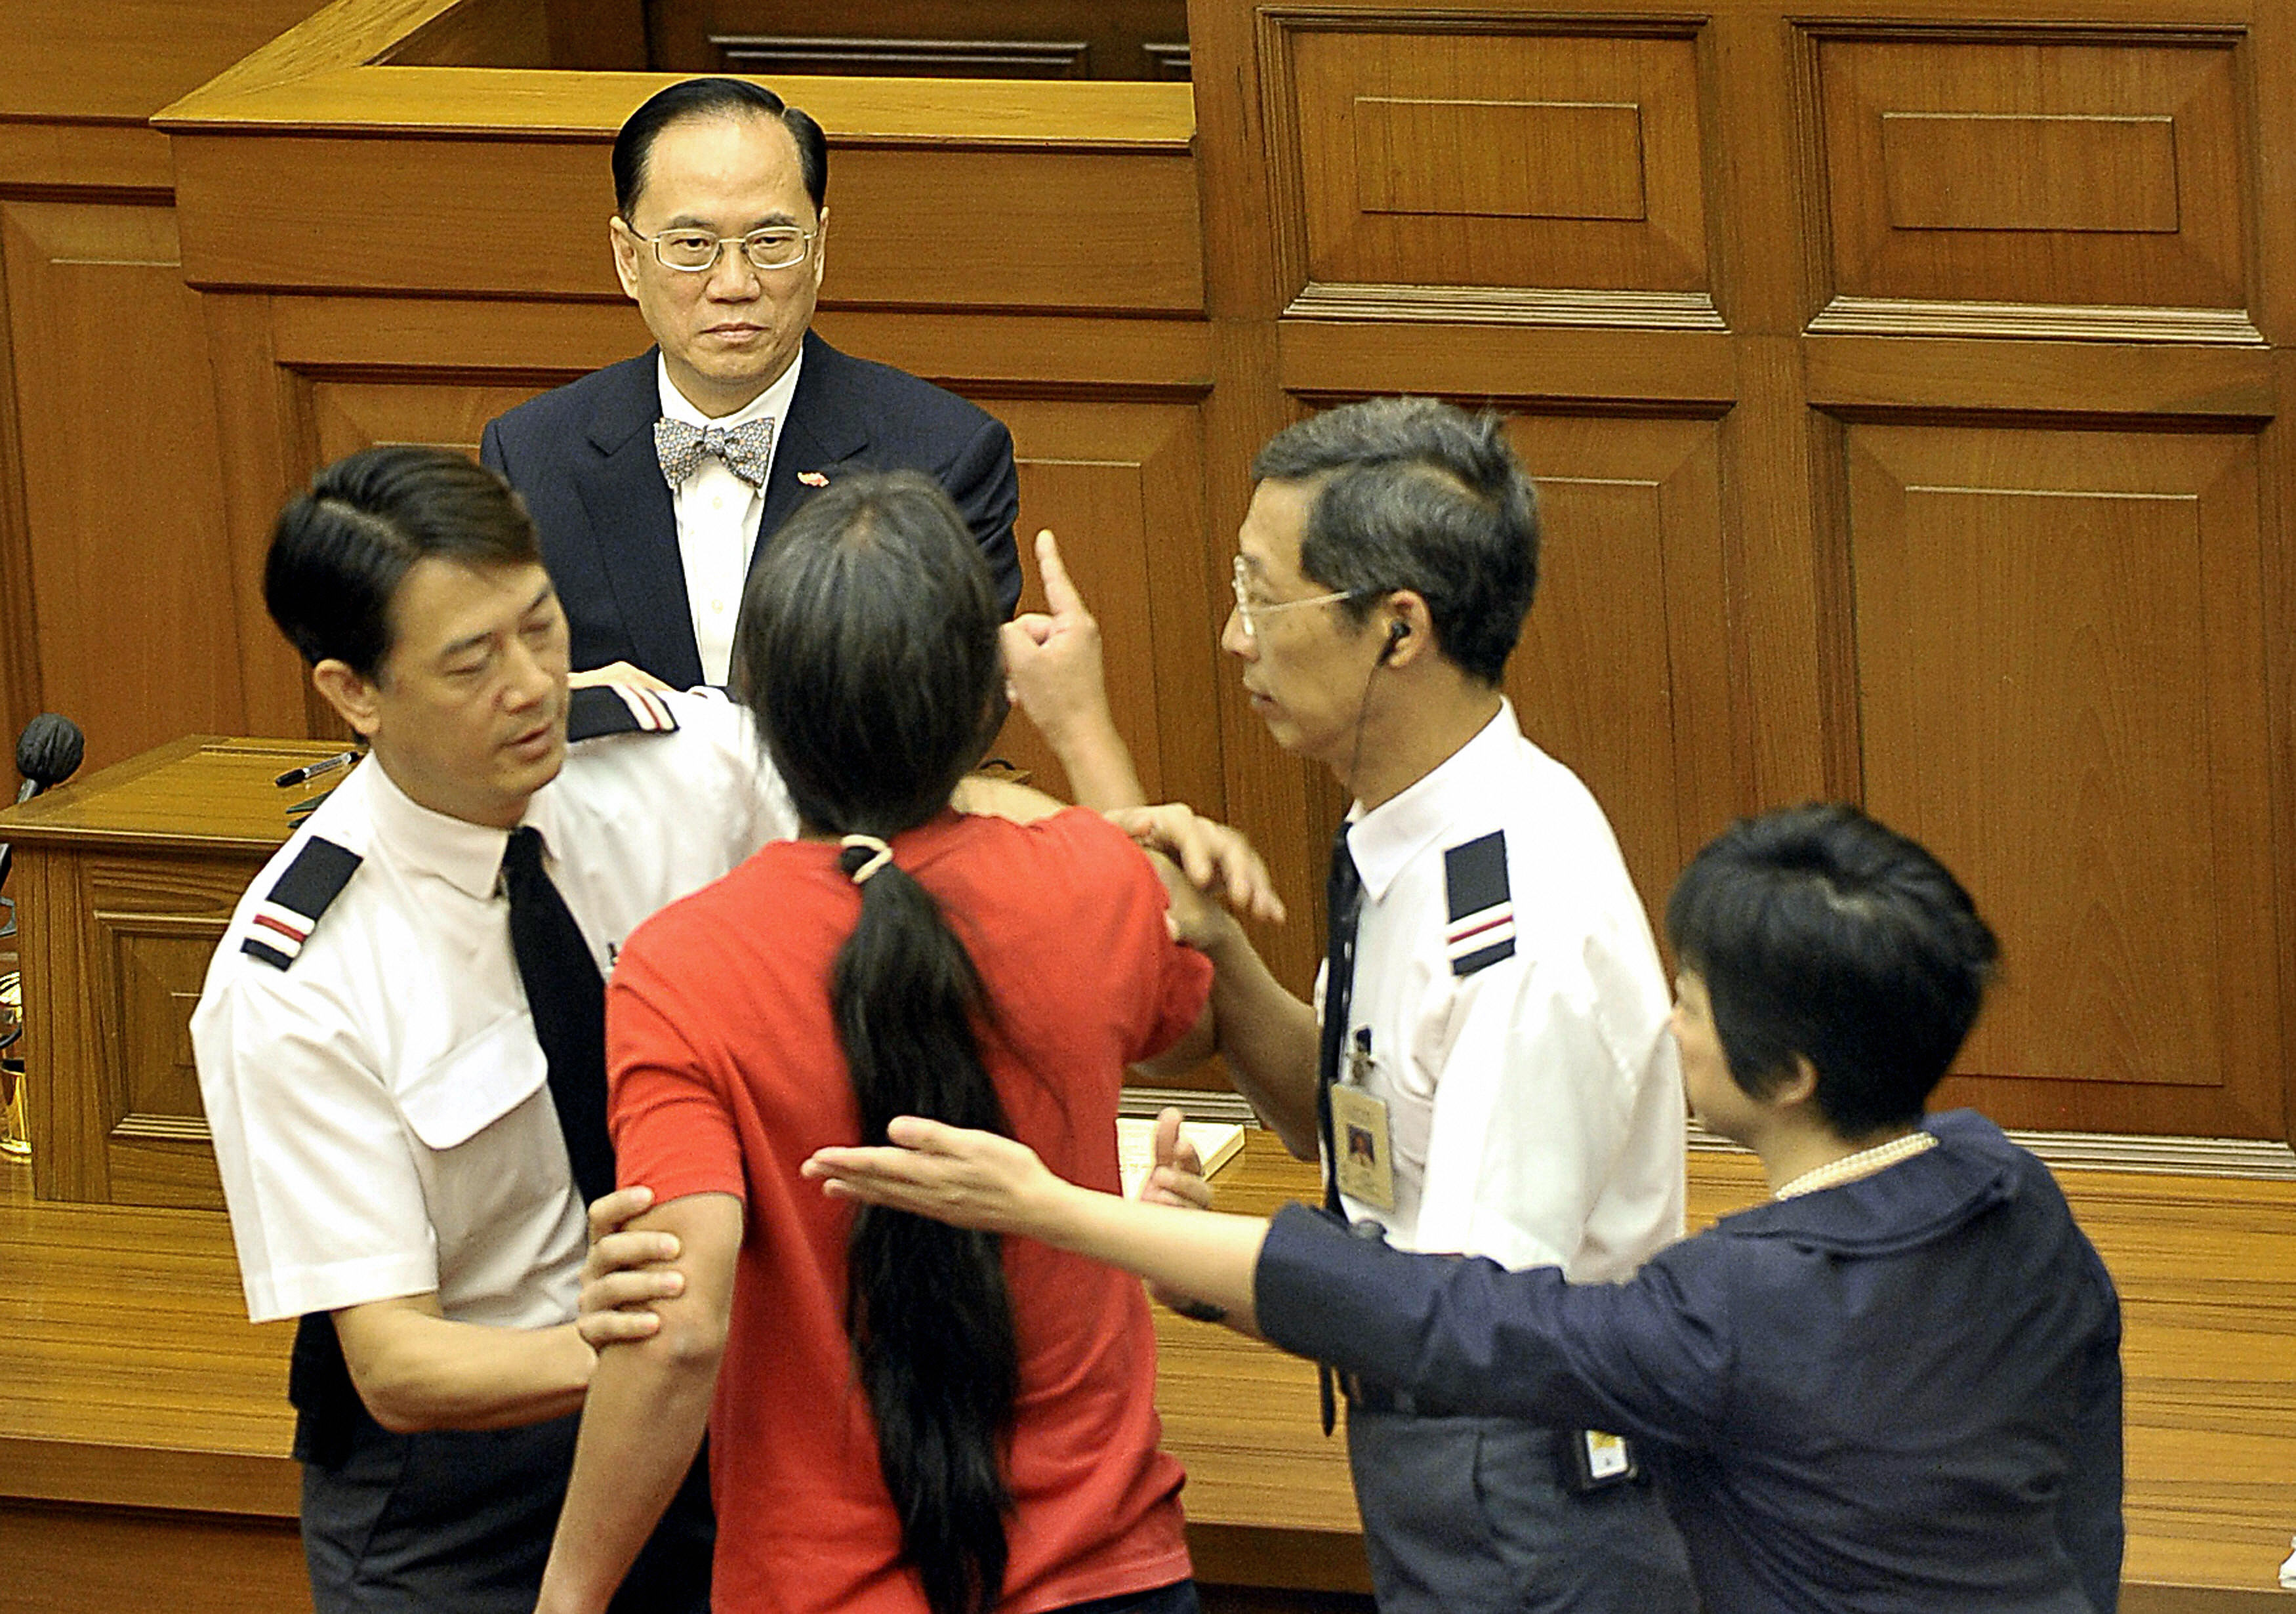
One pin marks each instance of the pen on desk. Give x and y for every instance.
(312, 770)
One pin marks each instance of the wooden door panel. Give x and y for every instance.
(2061, 682)
(1490, 156)
(152, 926)
(2058, 172)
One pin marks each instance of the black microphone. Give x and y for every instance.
(47, 753)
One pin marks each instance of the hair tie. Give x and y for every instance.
(881, 856)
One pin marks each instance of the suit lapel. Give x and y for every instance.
(823, 431)
(635, 525)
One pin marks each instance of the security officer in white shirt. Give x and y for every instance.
(387, 1124)
(1489, 1071)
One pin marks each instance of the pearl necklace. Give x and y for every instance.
(1865, 1163)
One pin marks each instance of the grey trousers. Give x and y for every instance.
(459, 1522)
(1462, 1515)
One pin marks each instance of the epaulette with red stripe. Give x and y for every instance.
(617, 709)
(1481, 908)
(283, 920)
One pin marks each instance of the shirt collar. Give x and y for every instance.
(466, 856)
(1386, 838)
(772, 404)
(1914, 1202)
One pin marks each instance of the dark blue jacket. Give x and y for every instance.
(583, 457)
(1900, 1394)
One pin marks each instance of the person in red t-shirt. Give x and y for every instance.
(902, 1416)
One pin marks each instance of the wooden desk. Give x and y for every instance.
(123, 882)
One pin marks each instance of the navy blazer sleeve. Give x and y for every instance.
(2088, 1513)
(1650, 1357)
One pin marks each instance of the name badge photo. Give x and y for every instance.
(1362, 1166)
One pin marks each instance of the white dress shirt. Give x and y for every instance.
(380, 1107)
(718, 516)
(1535, 1108)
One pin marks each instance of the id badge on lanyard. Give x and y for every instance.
(1363, 1162)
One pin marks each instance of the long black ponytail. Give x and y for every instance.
(868, 652)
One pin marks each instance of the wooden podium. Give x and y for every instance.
(123, 882)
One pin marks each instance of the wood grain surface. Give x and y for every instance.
(133, 1383)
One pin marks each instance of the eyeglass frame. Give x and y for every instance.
(718, 251)
(1247, 610)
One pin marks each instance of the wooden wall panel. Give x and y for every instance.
(101, 337)
(122, 485)
(1621, 673)
(351, 415)
(1456, 155)
(2061, 663)
(2010, 167)
(2074, 203)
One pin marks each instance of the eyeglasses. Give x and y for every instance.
(1249, 611)
(695, 251)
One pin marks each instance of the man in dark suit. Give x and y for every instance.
(652, 480)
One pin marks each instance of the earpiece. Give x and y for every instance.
(1396, 633)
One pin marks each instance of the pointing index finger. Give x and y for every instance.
(1060, 592)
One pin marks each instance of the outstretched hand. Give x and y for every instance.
(980, 1180)
(965, 1178)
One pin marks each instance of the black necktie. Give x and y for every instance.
(569, 1002)
(1343, 903)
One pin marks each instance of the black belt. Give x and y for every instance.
(1370, 1396)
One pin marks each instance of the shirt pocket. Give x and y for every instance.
(475, 1083)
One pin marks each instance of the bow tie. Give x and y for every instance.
(746, 450)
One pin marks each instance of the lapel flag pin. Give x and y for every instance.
(813, 478)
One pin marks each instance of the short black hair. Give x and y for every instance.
(339, 552)
(1822, 934)
(691, 98)
(1412, 493)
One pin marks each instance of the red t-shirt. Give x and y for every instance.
(727, 1074)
